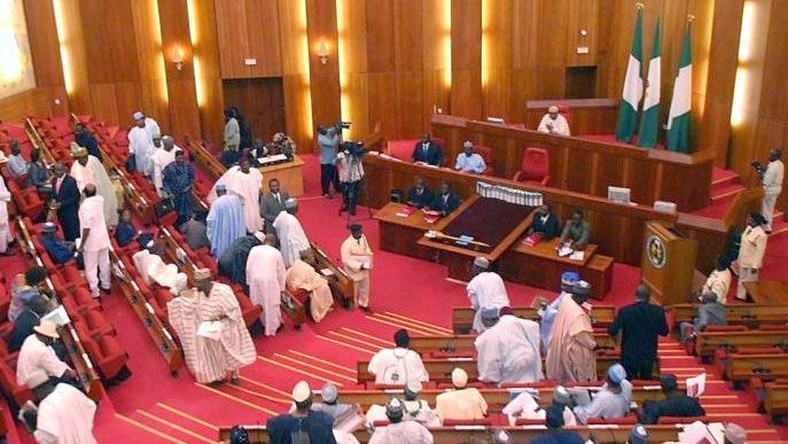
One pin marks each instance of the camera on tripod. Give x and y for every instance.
(353, 149)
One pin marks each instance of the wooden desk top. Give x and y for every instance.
(297, 162)
(547, 250)
(416, 220)
(768, 292)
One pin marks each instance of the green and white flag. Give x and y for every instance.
(649, 119)
(679, 117)
(633, 87)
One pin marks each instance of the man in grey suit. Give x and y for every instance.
(271, 204)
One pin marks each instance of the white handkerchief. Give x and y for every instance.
(211, 329)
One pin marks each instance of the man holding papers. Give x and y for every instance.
(213, 335)
(357, 260)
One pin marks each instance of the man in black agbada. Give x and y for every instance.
(640, 325)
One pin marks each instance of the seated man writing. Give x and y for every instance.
(419, 195)
(446, 201)
(576, 232)
(545, 223)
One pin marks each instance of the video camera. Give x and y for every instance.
(353, 149)
(759, 167)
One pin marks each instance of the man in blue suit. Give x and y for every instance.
(66, 201)
(427, 151)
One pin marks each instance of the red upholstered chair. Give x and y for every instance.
(5, 300)
(486, 153)
(528, 421)
(108, 355)
(28, 201)
(250, 311)
(18, 393)
(627, 420)
(487, 422)
(535, 167)
(566, 111)
(669, 420)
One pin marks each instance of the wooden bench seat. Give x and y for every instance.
(462, 317)
(751, 315)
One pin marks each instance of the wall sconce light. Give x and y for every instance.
(177, 58)
(322, 52)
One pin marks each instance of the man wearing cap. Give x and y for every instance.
(195, 231)
(719, 280)
(161, 157)
(347, 417)
(710, 312)
(612, 400)
(232, 263)
(304, 425)
(772, 180)
(5, 229)
(508, 350)
(485, 290)
(571, 355)
(83, 138)
(290, 233)
(17, 165)
(554, 123)
(141, 140)
(525, 406)
(30, 317)
(273, 203)
(676, 403)
(245, 182)
(549, 311)
(468, 161)
(462, 403)
(399, 431)
(266, 277)
(214, 338)
(556, 434)
(427, 151)
(89, 170)
(414, 409)
(356, 258)
(58, 250)
(397, 366)
(178, 180)
(64, 415)
(94, 243)
(753, 247)
(66, 201)
(640, 325)
(302, 276)
(38, 366)
(225, 221)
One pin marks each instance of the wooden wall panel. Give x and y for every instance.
(153, 96)
(466, 35)
(262, 27)
(352, 30)
(44, 44)
(582, 15)
(324, 78)
(232, 35)
(380, 36)
(409, 35)
(35, 102)
(295, 66)
(204, 41)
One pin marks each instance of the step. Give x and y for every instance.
(720, 176)
(728, 190)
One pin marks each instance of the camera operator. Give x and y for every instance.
(771, 176)
(351, 173)
(328, 138)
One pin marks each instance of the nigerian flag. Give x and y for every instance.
(649, 119)
(679, 116)
(633, 87)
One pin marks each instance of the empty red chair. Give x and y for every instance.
(669, 420)
(18, 393)
(627, 420)
(97, 323)
(29, 202)
(251, 312)
(535, 167)
(108, 355)
(486, 153)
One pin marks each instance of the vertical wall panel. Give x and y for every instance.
(466, 35)
(324, 78)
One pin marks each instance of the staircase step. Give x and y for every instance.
(779, 227)
(729, 190)
(720, 177)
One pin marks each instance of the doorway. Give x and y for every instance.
(262, 103)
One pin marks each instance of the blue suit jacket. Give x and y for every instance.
(433, 156)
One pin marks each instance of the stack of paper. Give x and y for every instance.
(577, 256)
(406, 211)
(464, 240)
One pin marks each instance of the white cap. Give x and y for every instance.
(301, 392)
(552, 109)
(481, 262)
(467, 144)
(260, 235)
(459, 377)
(138, 115)
(47, 328)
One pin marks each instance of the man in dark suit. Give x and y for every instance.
(66, 201)
(546, 223)
(427, 151)
(446, 201)
(272, 203)
(640, 324)
(419, 195)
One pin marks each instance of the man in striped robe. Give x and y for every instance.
(214, 338)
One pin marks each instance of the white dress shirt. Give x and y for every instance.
(91, 215)
(560, 126)
(37, 362)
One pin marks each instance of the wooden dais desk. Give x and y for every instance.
(768, 292)
(400, 234)
(289, 174)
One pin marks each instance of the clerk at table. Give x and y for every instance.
(576, 231)
(446, 201)
(427, 151)
(546, 223)
(419, 195)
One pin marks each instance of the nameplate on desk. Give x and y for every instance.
(460, 359)
(268, 160)
(464, 240)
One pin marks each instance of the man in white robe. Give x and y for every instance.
(486, 289)
(223, 345)
(549, 311)
(302, 276)
(225, 221)
(772, 181)
(462, 403)
(508, 351)
(89, 170)
(719, 281)
(94, 242)
(400, 431)
(153, 269)
(357, 261)
(266, 278)
(245, 182)
(160, 158)
(141, 137)
(5, 228)
(415, 409)
(398, 366)
(291, 235)
(612, 401)
(64, 416)
(554, 123)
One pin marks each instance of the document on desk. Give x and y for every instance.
(577, 256)
(211, 329)
(366, 261)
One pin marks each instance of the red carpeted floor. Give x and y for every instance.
(154, 407)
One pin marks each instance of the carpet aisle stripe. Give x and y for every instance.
(416, 321)
(412, 330)
(266, 386)
(183, 430)
(236, 399)
(302, 372)
(260, 395)
(385, 342)
(345, 345)
(411, 325)
(314, 367)
(188, 416)
(356, 340)
(149, 429)
(738, 415)
(316, 359)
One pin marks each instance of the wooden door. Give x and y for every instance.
(261, 101)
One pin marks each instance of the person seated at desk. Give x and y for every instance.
(545, 223)
(419, 195)
(59, 250)
(675, 403)
(554, 123)
(17, 165)
(576, 232)
(462, 403)
(611, 401)
(719, 281)
(446, 201)
(468, 161)
(427, 152)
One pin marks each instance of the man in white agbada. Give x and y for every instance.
(65, 416)
(292, 239)
(141, 137)
(508, 350)
(225, 221)
(38, 366)
(772, 181)
(266, 278)
(612, 401)
(462, 403)
(245, 182)
(414, 409)
(5, 197)
(398, 366)
(89, 170)
(525, 406)
(94, 243)
(153, 269)
(549, 311)
(400, 431)
(554, 123)
(160, 158)
(486, 289)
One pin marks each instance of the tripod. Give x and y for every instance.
(353, 191)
